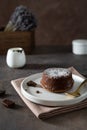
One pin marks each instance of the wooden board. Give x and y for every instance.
(26, 40)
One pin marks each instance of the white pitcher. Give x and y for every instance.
(16, 57)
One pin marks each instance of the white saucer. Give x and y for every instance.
(44, 97)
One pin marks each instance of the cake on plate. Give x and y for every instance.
(57, 80)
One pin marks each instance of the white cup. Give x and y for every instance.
(79, 46)
(16, 57)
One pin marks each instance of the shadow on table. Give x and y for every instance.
(5, 96)
(17, 106)
(66, 119)
(43, 66)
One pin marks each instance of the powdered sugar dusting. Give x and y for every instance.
(57, 72)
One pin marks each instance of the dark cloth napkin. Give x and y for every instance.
(44, 112)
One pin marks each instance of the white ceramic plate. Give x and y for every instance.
(44, 97)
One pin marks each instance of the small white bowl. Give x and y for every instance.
(79, 47)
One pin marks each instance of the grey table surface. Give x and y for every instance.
(21, 118)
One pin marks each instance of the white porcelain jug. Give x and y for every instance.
(16, 57)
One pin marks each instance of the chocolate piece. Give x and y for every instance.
(38, 91)
(2, 93)
(8, 103)
(31, 83)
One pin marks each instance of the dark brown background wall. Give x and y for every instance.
(59, 21)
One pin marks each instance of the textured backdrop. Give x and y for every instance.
(59, 21)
